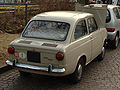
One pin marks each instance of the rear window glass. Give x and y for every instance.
(50, 30)
(108, 18)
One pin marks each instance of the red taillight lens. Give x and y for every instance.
(89, 1)
(59, 56)
(11, 50)
(16, 54)
(110, 29)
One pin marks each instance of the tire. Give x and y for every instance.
(115, 42)
(102, 54)
(76, 76)
(22, 73)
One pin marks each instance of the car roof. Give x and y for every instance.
(112, 6)
(62, 15)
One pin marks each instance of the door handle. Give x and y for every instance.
(91, 37)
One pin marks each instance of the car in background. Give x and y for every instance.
(114, 2)
(92, 1)
(113, 25)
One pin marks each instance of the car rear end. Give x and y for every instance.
(111, 23)
(40, 49)
(39, 60)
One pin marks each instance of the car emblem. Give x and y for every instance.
(22, 55)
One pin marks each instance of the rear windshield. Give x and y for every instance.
(51, 30)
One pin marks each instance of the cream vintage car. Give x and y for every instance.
(58, 43)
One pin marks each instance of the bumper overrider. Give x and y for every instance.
(37, 68)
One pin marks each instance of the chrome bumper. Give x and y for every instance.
(31, 67)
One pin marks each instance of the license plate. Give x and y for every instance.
(33, 56)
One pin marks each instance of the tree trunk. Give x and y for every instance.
(4, 1)
(22, 1)
(15, 1)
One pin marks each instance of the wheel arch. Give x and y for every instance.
(82, 59)
(118, 33)
(105, 42)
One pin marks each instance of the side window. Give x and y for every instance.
(119, 10)
(92, 26)
(116, 13)
(118, 3)
(80, 29)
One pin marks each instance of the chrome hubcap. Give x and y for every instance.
(103, 51)
(79, 71)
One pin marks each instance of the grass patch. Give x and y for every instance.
(5, 39)
(14, 23)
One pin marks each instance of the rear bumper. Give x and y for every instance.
(111, 35)
(36, 68)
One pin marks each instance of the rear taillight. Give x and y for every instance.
(110, 29)
(11, 50)
(89, 1)
(16, 54)
(60, 56)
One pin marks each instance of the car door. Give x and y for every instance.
(82, 41)
(96, 37)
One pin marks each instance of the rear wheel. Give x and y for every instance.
(76, 76)
(102, 54)
(115, 42)
(22, 73)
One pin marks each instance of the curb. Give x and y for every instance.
(5, 68)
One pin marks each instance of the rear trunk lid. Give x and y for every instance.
(36, 52)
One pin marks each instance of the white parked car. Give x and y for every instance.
(113, 25)
(114, 2)
(58, 43)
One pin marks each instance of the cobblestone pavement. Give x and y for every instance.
(104, 75)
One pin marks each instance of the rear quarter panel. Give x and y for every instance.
(77, 49)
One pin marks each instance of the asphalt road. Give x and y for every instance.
(104, 75)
